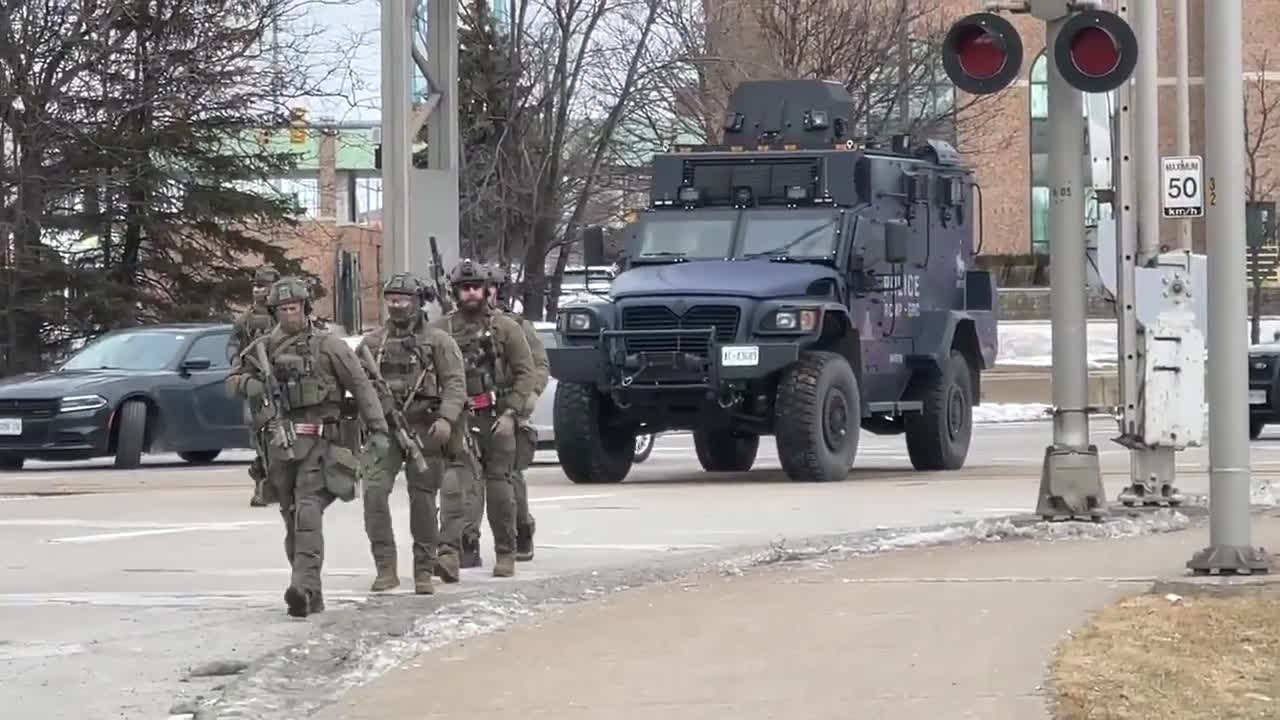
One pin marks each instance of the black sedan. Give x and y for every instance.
(1264, 386)
(149, 389)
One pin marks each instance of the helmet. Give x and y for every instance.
(287, 290)
(468, 271)
(406, 284)
(266, 275)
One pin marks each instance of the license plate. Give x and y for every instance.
(1257, 397)
(10, 426)
(739, 356)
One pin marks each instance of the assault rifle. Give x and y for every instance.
(283, 434)
(407, 441)
(437, 278)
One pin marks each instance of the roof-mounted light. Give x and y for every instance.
(815, 119)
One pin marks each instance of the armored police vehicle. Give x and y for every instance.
(788, 282)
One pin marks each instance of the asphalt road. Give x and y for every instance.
(115, 583)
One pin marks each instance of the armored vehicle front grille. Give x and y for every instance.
(724, 318)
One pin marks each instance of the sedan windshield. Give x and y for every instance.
(145, 350)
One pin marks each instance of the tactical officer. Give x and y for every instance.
(296, 377)
(526, 434)
(423, 387)
(249, 326)
(499, 382)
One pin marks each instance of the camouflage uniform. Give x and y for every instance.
(422, 381)
(499, 382)
(249, 326)
(304, 380)
(526, 433)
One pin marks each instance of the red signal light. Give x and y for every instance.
(982, 53)
(979, 54)
(1096, 51)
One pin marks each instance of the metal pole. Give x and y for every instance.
(1146, 16)
(1067, 268)
(1182, 100)
(1229, 547)
(396, 141)
(1071, 480)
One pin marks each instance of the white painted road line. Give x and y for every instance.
(638, 547)
(203, 527)
(559, 498)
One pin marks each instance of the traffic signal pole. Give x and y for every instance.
(1230, 548)
(1071, 477)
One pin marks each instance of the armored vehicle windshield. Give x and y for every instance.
(718, 234)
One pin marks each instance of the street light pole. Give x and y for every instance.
(1230, 549)
(1182, 101)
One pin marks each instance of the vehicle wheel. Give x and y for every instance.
(723, 451)
(588, 451)
(818, 416)
(938, 438)
(1255, 428)
(11, 463)
(131, 434)
(200, 457)
(644, 447)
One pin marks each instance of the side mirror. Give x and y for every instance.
(196, 364)
(896, 237)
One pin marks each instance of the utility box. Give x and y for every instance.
(1173, 391)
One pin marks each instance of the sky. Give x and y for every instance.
(355, 24)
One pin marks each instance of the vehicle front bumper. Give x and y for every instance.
(610, 366)
(42, 432)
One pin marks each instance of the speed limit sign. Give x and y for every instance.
(1182, 186)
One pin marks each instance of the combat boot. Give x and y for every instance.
(524, 542)
(299, 601)
(388, 578)
(447, 568)
(505, 566)
(422, 583)
(470, 553)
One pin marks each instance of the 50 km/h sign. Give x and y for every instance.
(1182, 186)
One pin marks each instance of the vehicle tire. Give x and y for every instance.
(588, 453)
(818, 418)
(131, 434)
(200, 457)
(1255, 428)
(644, 447)
(938, 438)
(724, 451)
(11, 463)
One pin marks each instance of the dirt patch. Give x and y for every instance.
(1174, 658)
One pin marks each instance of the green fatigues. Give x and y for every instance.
(500, 377)
(428, 359)
(314, 370)
(526, 435)
(249, 326)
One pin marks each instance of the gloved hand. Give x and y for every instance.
(254, 388)
(378, 442)
(505, 426)
(441, 430)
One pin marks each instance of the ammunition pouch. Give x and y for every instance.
(526, 445)
(422, 412)
(341, 472)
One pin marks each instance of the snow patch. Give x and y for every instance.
(1010, 412)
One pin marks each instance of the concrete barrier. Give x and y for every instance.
(1013, 384)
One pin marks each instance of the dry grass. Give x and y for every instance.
(1156, 658)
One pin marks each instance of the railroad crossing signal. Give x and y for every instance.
(1096, 52)
(1182, 186)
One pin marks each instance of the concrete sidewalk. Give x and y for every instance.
(950, 632)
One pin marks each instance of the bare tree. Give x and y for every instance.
(1261, 123)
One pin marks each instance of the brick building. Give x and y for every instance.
(1008, 148)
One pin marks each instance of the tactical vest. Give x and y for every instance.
(481, 355)
(309, 386)
(402, 360)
